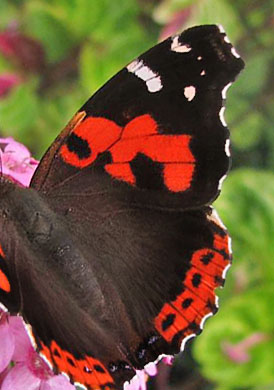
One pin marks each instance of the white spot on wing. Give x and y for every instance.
(227, 147)
(77, 384)
(221, 28)
(204, 319)
(225, 270)
(178, 46)
(214, 217)
(28, 329)
(202, 73)
(185, 340)
(222, 118)
(46, 360)
(221, 182)
(234, 52)
(152, 80)
(224, 91)
(154, 85)
(199, 58)
(134, 66)
(3, 307)
(226, 39)
(190, 92)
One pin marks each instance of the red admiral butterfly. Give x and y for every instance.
(114, 252)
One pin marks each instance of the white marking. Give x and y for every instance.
(225, 270)
(185, 340)
(224, 91)
(151, 369)
(178, 46)
(229, 245)
(65, 374)
(227, 147)
(46, 361)
(202, 73)
(134, 65)
(190, 92)
(221, 116)
(221, 28)
(217, 301)
(204, 319)
(199, 58)
(221, 182)
(77, 384)
(235, 53)
(226, 39)
(215, 218)
(28, 329)
(153, 81)
(3, 308)
(154, 84)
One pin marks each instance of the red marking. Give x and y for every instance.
(200, 296)
(100, 134)
(4, 282)
(178, 177)
(1, 251)
(121, 172)
(82, 371)
(140, 135)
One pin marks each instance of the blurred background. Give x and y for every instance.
(55, 53)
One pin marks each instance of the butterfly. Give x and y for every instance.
(113, 254)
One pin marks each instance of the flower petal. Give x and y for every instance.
(17, 161)
(22, 341)
(6, 342)
(57, 382)
(19, 377)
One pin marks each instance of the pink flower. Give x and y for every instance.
(29, 371)
(23, 51)
(16, 161)
(239, 353)
(7, 82)
(176, 22)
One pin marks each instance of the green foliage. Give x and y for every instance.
(246, 207)
(86, 42)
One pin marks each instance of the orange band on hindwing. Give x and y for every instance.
(87, 371)
(184, 315)
(4, 281)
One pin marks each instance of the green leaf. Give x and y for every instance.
(47, 28)
(241, 317)
(18, 111)
(248, 131)
(247, 209)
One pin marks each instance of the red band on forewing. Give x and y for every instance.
(99, 133)
(177, 177)
(139, 136)
(121, 172)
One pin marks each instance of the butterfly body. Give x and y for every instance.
(112, 256)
